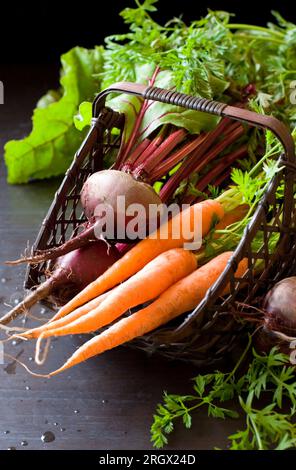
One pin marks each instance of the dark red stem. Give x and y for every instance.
(190, 163)
(174, 139)
(154, 144)
(132, 140)
(176, 157)
(128, 165)
(214, 175)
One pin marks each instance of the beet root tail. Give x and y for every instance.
(84, 238)
(42, 291)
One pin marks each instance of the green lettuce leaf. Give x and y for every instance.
(49, 148)
(83, 118)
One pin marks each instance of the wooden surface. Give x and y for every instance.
(114, 395)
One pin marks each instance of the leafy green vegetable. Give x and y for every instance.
(211, 57)
(83, 118)
(49, 149)
(270, 427)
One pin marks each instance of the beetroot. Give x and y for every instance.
(102, 187)
(72, 272)
(280, 306)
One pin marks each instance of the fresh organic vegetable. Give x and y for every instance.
(211, 57)
(104, 187)
(85, 237)
(235, 215)
(279, 307)
(181, 297)
(71, 274)
(100, 199)
(147, 249)
(49, 149)
(187, 157)
(205, 154)
(147, 284)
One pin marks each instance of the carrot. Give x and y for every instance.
(178, 299)
(165, 270)
(146, 250)
(235, 215)
(34, 333)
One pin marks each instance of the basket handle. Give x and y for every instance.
(204, 105)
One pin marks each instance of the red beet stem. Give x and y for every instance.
(128, 165)
(216, 175)
(176, 157)
(189, 164)
(216, 150)
(225, 162)
(132, 140)
(163, 150)
(154, 144)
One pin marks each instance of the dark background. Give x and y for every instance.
(116, 394)
(39, 33)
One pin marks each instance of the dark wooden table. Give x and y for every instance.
(108, 402)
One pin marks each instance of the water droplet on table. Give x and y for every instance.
(76, 412)
(55, 424)
(27, 387)
(3, 280)
(30, 358)
(6, 432)
(16, 301)
(42, 311)
(62, 429)
(48, 436)
(11, 448)
(24, 443)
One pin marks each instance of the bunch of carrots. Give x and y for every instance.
(156, 270)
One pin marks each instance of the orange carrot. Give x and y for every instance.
(148, 249)
(235, 215)
(231, 217)
(179, 298)
(157, 276)
(92, 304)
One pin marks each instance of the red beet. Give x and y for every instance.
(72, 272)
(280, 306)
(102, 187)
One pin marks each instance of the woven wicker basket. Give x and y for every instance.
(211, 331)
